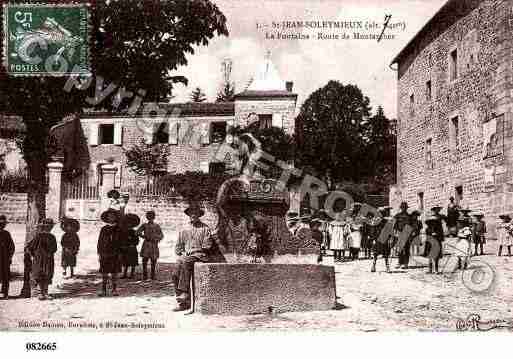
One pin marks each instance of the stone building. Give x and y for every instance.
(455, 122)
(193, 131)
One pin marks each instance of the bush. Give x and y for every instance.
(197, 186)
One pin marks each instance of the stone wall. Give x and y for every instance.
(285, 106)
(238, 289)
(169, 213)
(481, 92)
(14, 207)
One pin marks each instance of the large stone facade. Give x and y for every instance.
(455, 134)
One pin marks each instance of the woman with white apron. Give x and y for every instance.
(336, 230)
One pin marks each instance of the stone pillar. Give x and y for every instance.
(108, 173)
(54, 199)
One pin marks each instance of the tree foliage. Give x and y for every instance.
(147, 159)
(337, 134)
(135, 46)
(197, 95)
(226, 93)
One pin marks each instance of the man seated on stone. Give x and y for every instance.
(194, 245)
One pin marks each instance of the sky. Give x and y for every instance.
(311, 63)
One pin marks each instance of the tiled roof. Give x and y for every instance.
(177, 109)
(268, 93)
(11, 123)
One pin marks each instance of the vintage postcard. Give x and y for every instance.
(229, 165)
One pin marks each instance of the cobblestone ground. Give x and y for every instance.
(402, 300)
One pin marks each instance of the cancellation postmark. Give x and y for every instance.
(46, 39)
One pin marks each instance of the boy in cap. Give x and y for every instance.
(505, 233)
(193, 245)
(478, 232)
(152, 234)
(129, 242)
(382, 237)
(6, 253)
(70, 244)
(109, 250)
(42, 248)
(433, 245)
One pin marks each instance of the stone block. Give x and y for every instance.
(238, 289)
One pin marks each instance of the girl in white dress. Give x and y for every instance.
(505, 233)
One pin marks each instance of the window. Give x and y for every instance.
(106, 134)
(455, 133)
(265, 121)
(217, 132)
(412, 105)
(428, 90)
(429, 155)
(453, 67)
(162, 133)
(459, 194)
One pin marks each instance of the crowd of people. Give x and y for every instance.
(351, 236)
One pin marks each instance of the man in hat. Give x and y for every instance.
(478, 232)
(453, 212)
(292, 222)
(416, 224)
(440, 218)
(6, 253)
(193, 245)
(401, 220)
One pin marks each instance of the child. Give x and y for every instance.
(115, 204)
(109, 250)
(315, 226)
(505, 233)
(463, 243)
(152, 234)
(478, 232)
(42, 248)
(129, 241)
(70, 244)
(433, 244)
(6, 253)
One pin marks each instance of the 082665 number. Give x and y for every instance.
(40, 346)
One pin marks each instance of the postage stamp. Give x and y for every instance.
(46, 39)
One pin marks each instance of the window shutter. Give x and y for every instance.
(118, 133)
(204, 166)
(93, 134)
(277, 120)
(205, 133)
(173, 132)
(148, 132)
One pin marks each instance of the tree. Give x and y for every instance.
(331, 131)
(147, 159)
(227, 91)
(135, 45)
(197, 95)
(381, 149)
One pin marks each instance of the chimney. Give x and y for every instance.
(289, 85)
